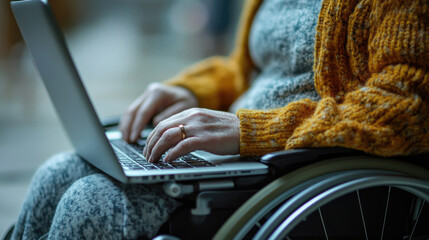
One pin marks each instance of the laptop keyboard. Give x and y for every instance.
(131, 158)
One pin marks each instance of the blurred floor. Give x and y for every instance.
(116, 63)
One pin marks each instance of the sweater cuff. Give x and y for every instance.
(203, 90)
(264, 131)
(211, 81)
(257, 137)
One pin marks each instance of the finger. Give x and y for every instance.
(125, 124)
(142, 117)
(159, 130)
(170, 111)
(173, 121)
(127, 118)
(169, 139)
(182, 148)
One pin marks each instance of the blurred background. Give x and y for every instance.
(119, 47)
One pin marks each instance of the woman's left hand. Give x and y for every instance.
(212, 131)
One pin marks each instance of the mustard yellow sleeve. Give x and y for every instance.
(218, 81)
(215, 82)
(377, 100)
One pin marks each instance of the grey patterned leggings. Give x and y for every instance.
(72, 200)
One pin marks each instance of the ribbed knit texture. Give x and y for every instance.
(371, 70)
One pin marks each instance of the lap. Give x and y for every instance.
(69, 197)
(118, 210)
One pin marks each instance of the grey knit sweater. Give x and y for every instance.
(281, 44)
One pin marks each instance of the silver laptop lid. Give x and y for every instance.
(67, 92)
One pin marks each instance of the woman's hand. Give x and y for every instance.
(158, 102)
(212, 131)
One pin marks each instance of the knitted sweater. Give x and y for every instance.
(282, 32)
(371, 71)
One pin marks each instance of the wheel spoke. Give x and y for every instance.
(323, 224)
(385, 212)
(417, 220)
(361, 214)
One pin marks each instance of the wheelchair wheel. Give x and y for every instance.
(351, 198)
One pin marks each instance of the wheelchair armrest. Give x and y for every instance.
(283, 159)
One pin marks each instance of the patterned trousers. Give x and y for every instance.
(70, 199)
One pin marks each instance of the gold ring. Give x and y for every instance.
(182, 129)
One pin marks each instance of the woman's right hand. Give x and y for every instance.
(158, 102)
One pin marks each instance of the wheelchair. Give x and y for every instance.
(325, 193)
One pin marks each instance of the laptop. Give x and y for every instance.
(105, 149)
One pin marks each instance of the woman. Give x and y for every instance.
(365, 86)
